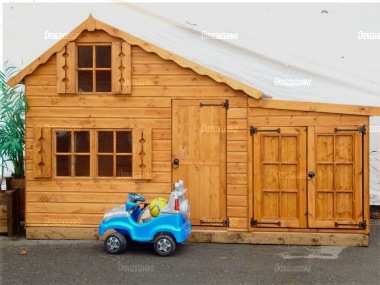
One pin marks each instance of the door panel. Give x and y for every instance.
(199, 143)
(279, 177)
(335, 194)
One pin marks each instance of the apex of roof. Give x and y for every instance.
(92, 24)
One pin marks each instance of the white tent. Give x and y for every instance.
(303, 52)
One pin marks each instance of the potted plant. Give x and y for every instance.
(13, 106)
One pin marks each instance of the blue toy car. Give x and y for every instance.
(134, 220)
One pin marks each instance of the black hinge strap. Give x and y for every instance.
(256, 222)
(361, 129)
(362, 225)
(254, 130)
(225, 223)
(224, 105)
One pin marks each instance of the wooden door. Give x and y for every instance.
(199, 143)
(279, 177)
(335, 194)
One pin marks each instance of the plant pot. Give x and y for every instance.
(8, 182)
(18, 183)
(9, 212)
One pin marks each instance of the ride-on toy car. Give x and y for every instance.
(134, 220)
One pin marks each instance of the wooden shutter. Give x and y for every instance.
(66, 69)
(142, 154)
(121, 68)
(42, 153)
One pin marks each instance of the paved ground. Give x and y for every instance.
(85, 262)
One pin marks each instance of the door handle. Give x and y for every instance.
(175, 163)
(310, 175)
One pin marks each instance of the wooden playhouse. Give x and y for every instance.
(110, 113)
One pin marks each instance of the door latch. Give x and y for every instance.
(175, 163)
(310, 175)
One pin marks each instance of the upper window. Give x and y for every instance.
(96, 63)
(94, 68)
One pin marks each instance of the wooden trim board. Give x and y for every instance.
(314, 107)
(217, 236)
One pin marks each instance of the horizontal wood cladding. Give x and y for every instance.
(238, 212)
(81, 112)
(117, 186)
(237, 190)
(175, 92)
(96, 101)
(274, 117)
(78, 197)
(103, 123)
(136, 80)
(236, 167)
(57, 219)
(72, 208)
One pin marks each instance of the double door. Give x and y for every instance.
(308, 177)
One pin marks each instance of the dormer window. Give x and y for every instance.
(94, 68)
(96, 63)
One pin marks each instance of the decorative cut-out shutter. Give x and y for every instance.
(66, 69)
(121, 68)
(42, 153)
(142, 154)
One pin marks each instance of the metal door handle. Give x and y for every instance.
(311, 175)
(175, 163)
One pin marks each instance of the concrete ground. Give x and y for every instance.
(85, 262)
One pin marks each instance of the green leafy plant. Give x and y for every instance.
(13, 106)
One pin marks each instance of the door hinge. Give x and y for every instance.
(224, 223)
(361, 129)
(362, 225)
(255, 223)
(254, 130)
(223, 105)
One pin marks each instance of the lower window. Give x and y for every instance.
(78, 154)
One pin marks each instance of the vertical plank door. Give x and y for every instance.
(279, 177)
(335, 194)
(199, 143)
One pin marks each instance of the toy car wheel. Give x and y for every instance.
(164, 245)
(115, 243)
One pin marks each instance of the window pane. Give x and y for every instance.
(105, 165)
(82, 141)
(82, 165)
(85, 81)
(123, 166)
(105, 141)
(63, 141)
(103, 81)
(63, 165)
(103, 56)
(124, 142)
(84, 56)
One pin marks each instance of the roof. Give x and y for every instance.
(272, 44)
(92, 24)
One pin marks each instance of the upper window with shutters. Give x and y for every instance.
(94, 68)
(94, 64)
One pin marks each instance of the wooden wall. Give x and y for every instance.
(155, 82)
